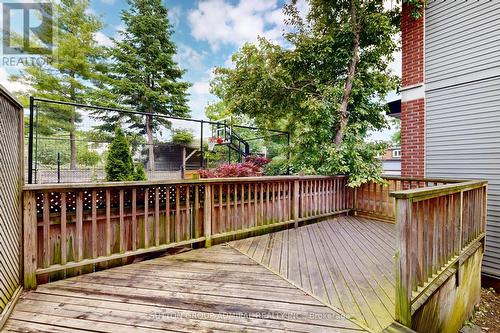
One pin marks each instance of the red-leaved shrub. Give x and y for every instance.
(250, 168)
(258, 160)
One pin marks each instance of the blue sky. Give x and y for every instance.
(207, 33)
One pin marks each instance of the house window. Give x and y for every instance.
(396, 153)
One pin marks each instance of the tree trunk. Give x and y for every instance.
(72, 121)
(344, 116)
(151, 152)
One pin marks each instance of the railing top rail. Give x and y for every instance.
(436, 191)
(422, 179)
(70, 186)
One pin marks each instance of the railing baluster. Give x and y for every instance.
(46, 229)
(94, 224)
(146, 217)
(108, 222)
(157, 216)
(79, 225)
(168, 224)
(122, 221)
(64, 244)
(134, 219)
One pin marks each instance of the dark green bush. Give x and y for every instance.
(119, 164)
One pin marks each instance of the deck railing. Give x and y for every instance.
(73, 228)
(374, 200)
(81, 226)
(435, 227)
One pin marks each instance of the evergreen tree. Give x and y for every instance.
(68, 71)
(140, 173)
(119, 164)
(145, 76)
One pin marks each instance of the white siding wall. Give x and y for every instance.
(462, 70)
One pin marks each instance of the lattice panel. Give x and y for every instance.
(10, 194)
(166, 192)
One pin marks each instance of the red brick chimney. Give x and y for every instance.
(412, 95)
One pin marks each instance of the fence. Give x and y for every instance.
(73, 226)
(11, 181)
(68, 142)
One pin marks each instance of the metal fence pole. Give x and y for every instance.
(30, 144)
(289, 153)
(58, 167)
(201, 145)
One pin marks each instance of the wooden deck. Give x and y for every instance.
(204, 290)
(346, 262)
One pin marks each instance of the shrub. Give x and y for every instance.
(182, 136)
(258, 160)
(278, 166)
(139, 173)
(245, 169)
(119, 164)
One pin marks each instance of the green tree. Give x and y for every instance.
(68, 71)
(182, 136)
(119, 165)
(145, 76)
(327, 89)
(139, 173)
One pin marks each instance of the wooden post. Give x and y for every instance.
(207, 215)
(30, 240)
(296, 202)
(183, 166)
(403, 261)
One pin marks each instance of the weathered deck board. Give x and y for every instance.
(214, 289)
(346, 262)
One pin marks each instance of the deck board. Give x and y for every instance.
(346, 262)
(205, 290)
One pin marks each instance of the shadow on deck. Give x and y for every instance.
(305, 279)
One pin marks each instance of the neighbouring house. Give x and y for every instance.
(391, 161)
(450, 101)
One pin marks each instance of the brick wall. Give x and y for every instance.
(412, 138)
(413, 105)
(412, 43)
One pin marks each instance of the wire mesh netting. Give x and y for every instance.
(69, 142)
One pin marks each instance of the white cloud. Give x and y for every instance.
(188, 57)
(219, 22)
(11, 86)
(174, 15)
(200, 88)
(103, 39)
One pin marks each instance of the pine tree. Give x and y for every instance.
(119, 164)
(69, 69)
(145, 76)
(140, 173)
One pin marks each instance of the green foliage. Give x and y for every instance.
(119, 164)
(143, 75)
(182, 136)
(88, 157)
(396, 137)
(417, 7)
(68, 71)
(278, 166)
(47, 150)
(49, 147)
(301, 88)
(139, 173)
